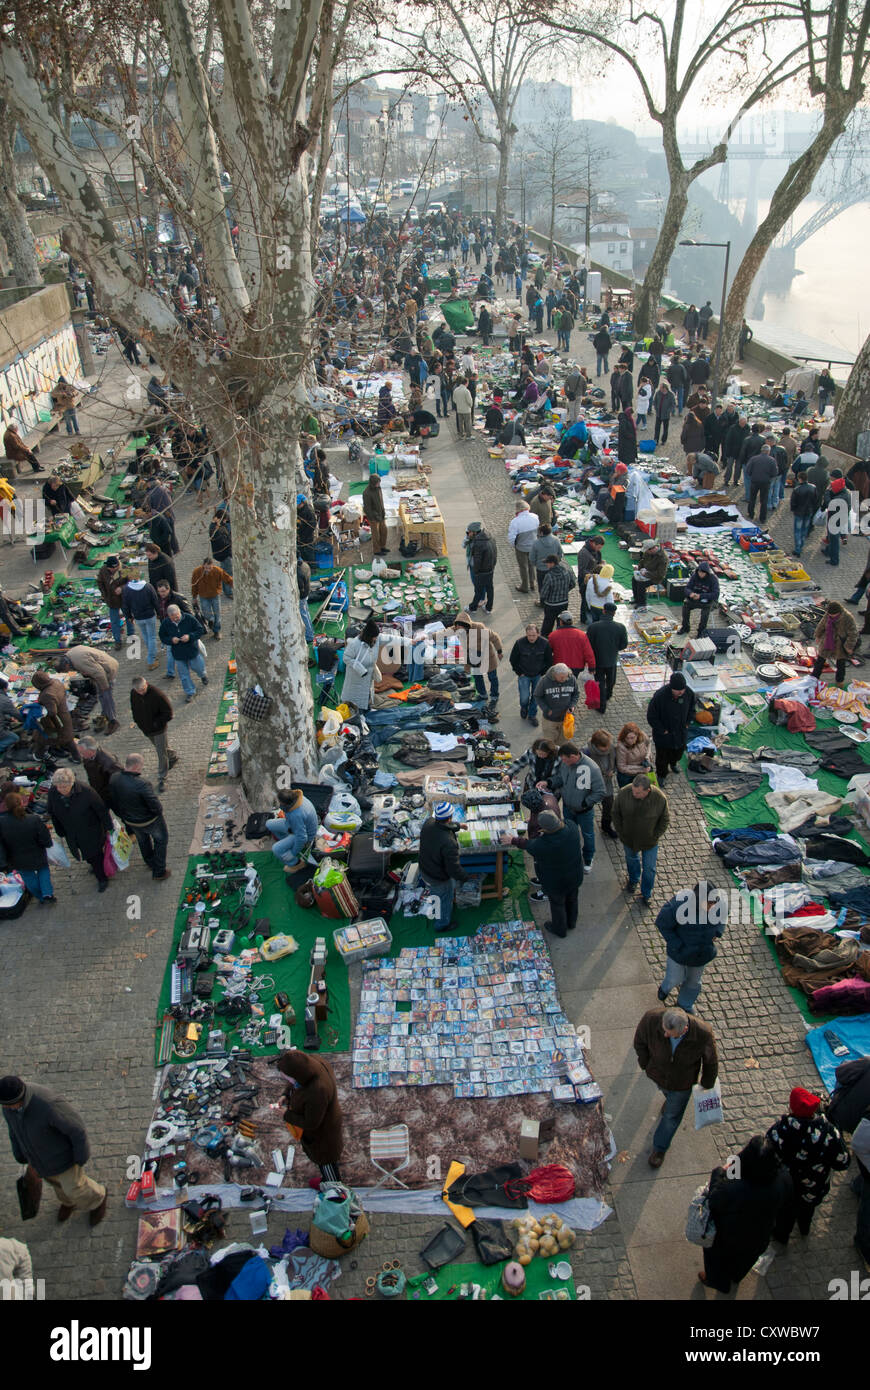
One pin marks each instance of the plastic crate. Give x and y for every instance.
(364, 949)
(793, 579)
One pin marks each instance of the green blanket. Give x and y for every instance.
(451, 1278)
(458, 314)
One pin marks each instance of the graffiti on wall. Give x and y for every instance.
(47, 247)
(26, 382)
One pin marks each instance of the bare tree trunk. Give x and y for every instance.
(794, 186)
(853, 407)
(14, 226)
(504, 154)
(647, 302)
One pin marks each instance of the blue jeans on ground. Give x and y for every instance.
(116, 623)
(226, 563)
(443, 890)
(586, 821)
(641, 865)
(527, 694)
(148, 629)
(602, 363)
(688, 977)
(802, 527)
(8, 740)
(672, 1114)
(480, 685)
(833, 548)
(184, 669)
(286, 847)
(484, 592)
(38, 882)
(306, 620)
(211, 611)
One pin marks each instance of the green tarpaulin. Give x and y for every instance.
(458, 314)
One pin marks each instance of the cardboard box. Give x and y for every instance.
(530, 1135)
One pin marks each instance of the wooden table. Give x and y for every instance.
(432, 527)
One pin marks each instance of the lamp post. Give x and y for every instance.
(726, 246)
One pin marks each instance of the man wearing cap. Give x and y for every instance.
(653, 570)
(293, 829)
(558, 866)
(438, 858)
(811, 1148)
(669, 714)
(702, 592)
(50, 1137)
(607, 638)
(482, 554)
(521, 535)
(110, 582)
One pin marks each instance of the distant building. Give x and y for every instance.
(611, 242)
(538, 101)
(643, 244)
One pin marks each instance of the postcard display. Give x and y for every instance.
(479, 1013)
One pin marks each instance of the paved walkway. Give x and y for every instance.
(81, 984)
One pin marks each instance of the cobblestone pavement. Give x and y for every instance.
(81, 984)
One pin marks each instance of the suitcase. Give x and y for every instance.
(336, 903)
(364, 864)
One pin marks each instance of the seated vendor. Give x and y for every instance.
(293, 829)
(57, 496)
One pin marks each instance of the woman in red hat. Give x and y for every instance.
(811, 1148)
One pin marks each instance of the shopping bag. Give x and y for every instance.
(122, 844)
(333, 1209)
(57, 855)
(708, 1105)
(592, 692)
(29, 1188)
(700, 1226)
(110, 868)
(255, 704)
(568, 725)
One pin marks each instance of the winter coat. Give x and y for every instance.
(605, 759)
(850, 1102)
(438, 855)
(360, 661)
(188, 627)
(313, 1106)
(581, 786)
(472, 650)
(482, 553)
(599, 591)
(531, 658)
(669, 718)
(179, 601)
(845, 636)
(677, 375)
(607, 639)
(221, 540)
(95, 665)
(664, 404)
(99, 770)
(689, 942)
(162, 567)
(152, 711)
(705, 585)
(570, 647)
(654, 564)
(744, 1214)
(373, 502)
(811, 1148)
(631, 761)
(692, 434)
(542, 508)
(23, 842)
(47, 1133)
(58, 720)
(82, 818)
(691, 321)
(761, 468)
(677, 1069)
(110, 583)
(544, 546)
(134, 799)
(138, 600)
(804, 500)
(626, 439)
(557, 858)
(602, 342)
(735, 437)
(640, 824)
(208, 584)
(588, 559)
(699, 371)
(555, 698)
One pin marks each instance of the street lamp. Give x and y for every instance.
(587, 208)
(726, 246)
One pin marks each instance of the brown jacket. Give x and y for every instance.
(845, 635)
(95, 665)
(209, 585)
(676, 1070)
(111, 583)
(373, 502)
(313, 1106)
(493, 643)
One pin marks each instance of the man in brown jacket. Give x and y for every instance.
(206, 586)
(102, 669)
(15, 448)
(111, 580)
(152, 711)
(374, 513)
(673, 1049)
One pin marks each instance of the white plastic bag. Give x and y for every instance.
(57, 855)
(708, 1105)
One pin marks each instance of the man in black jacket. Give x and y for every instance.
(558, 866)
(138, 806)
(849, 1110)
(57, 496)
(99, 766)
(702, 592)
(804, 505)
(735, 437)
(438, 858)
(607, 639)
(760, 472)
(678, 378)
(50, 1137)
(160, 566)
(220, 537)
(152, 711)
(530, 657)
(482, 556)
(750, 447)
(588, 562)
(668, 714)
(624, 388)
(699, 371)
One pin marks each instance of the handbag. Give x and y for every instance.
(333, 1209)
(110, 868)
(568, 725)
(700, 1226)
(29, 1188)
(255, 704)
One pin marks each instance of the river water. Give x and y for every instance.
(830, 301)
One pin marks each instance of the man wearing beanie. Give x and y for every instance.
(811, 1148)
(110, 582)
(438, 858)
(669, 714)
(558, 865)
(50, 1137)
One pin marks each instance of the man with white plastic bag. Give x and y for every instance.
(675, 1051)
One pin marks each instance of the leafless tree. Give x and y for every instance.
(14, 226)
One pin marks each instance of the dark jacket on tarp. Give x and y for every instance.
(607, 638)
(134, 799)
(438, 855)
(669, 718)
(640, 822)
(151, 711)
(850, 1103)
(689, 942)
(23, 842)
(677, 1069)
(558, 861)
(745, 1212)
(46, 1132)
(81, 818)
(313, 1106)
